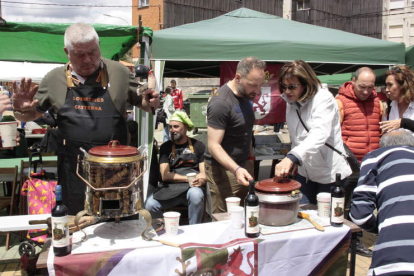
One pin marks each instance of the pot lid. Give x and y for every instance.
(114, 149)
(277, 185)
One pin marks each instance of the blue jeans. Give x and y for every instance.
(194, 199)
(310, 189)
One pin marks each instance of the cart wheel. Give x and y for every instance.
(195, 130)
(27, 248)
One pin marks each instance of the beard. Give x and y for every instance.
(244, 93)
(175, 136)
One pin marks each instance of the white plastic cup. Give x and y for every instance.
(8, 131)
(171, 223)
(191, 177)
(232, 201)
(324, 204)
(236, 214)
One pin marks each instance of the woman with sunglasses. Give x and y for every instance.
(313, 120)
(400, 90)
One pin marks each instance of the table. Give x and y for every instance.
(21, 223)
(211, 247)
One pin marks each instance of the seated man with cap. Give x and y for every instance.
(178, 157)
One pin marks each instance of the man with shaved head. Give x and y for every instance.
(360, 113)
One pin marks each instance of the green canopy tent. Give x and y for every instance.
(409, 56)
(43, 42)
(339, 79)
(197, 49)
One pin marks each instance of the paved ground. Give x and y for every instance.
(10, 260)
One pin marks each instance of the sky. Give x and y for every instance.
(64, 11)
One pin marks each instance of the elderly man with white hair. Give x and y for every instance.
(386, 184)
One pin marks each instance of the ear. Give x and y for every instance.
(66, 51)
(237, 78)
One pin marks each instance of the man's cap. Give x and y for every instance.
(173, 81)
(182, 117)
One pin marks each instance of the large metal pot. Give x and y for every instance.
(112, 175)
(278, 201)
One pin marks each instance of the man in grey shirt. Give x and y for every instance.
(229, 156)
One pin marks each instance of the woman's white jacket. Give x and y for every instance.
(317, 162)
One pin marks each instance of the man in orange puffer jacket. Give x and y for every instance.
(360, 112)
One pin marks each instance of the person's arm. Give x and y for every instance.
(364, 198)
(150, 99)
(4, 103)
(200, 179)
(214, 139)
(387, 126)
(341, 111)
(407, 123)
(23, 102)
(181, 100)
(168, 176)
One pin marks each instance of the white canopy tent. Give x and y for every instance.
(14, 71)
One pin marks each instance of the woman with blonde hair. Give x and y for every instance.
(313, 120)
(400, 90)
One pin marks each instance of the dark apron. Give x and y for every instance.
(182, 161)
(87, 119)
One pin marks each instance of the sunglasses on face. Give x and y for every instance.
(290, 86)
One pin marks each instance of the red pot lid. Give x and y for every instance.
(277, 185)
(114, 149)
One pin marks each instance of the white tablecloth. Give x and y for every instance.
(290, 253)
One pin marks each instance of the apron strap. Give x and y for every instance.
(102, 77)
(190, 145)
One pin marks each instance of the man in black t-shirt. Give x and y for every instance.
(178, 157)
(229, 156)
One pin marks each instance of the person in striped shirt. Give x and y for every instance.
(386, 184)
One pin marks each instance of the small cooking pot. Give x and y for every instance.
(278, 200)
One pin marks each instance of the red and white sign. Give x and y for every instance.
(269, 108)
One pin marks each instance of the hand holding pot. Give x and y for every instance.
(283, 168)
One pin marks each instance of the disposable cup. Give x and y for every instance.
(236, 214)
(232, 201)
(171, 222)
(191, 177)
(8, 131)
(324, 204)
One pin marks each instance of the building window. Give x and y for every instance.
(303, 5)
(143, 3)
(396, 4)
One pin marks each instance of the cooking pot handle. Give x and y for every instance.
(114, 143)
(112, 188)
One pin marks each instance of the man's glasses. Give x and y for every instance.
(290, 86)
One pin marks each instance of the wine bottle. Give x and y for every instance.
(251, 215)
(60, 226)
(337, 203)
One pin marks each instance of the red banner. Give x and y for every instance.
(269, 108)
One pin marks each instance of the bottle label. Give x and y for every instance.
(337, 209)
(60, 231)
(252, 219)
